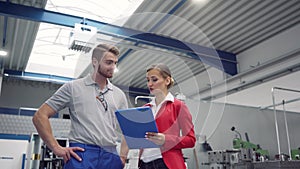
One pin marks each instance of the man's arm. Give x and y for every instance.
(123, 151)
(42, 124)
(43, 127)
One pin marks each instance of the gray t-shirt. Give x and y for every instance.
(90, 122)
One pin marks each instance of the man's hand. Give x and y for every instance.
(67, 152)
(123, 159)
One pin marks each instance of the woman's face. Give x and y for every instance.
(156, 82)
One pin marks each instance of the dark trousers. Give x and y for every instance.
(156, 164)
(95, 157)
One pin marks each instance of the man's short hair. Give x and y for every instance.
(100, 49)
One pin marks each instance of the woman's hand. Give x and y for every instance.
(157, 138)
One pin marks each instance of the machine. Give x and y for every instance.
(295, 154)
(249, 151)
(244, 155)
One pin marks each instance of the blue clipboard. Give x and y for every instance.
(134, 123)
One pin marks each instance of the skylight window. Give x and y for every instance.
(50, 53)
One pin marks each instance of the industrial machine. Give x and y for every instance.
(34, 151)
(49, 160)
(39, 156)
(244, 155)
(249, 151)
(295, 153)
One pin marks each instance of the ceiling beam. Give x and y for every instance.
(222, 60)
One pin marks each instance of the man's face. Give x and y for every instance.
(107, 65)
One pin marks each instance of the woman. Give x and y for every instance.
(174, 123)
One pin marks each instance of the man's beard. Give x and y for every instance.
(104, 74)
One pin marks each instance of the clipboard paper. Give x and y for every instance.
(134, 123)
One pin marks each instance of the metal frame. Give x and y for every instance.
(285, 120)
(222, 60)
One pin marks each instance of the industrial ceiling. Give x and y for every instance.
(179, 33)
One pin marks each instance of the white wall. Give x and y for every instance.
(211, 119)
(259, 124)
(275, 47)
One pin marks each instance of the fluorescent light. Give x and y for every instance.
(3, 53)
(200, 1)
(52, 42)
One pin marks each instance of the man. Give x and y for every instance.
(91, 101)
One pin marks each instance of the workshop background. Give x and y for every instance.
(235, 64)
